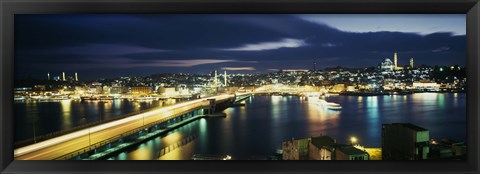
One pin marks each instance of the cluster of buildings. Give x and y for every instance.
(321, 148)
(400, 141)
(405, 141)
(387, 76)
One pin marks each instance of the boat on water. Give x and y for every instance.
(19, 98)
(330, 105)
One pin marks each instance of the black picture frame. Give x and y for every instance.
(9, 8)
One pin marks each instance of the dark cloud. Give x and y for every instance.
(112, 45)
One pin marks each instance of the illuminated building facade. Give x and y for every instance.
(425, 85)
(395, 58)
(140, 90)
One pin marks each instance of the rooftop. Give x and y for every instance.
(408, 125)
(350, 150)
(322, 141)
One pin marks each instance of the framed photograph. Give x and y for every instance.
(239, 86)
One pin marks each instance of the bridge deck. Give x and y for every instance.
(56, 147)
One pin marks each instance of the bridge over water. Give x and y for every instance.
(88, 139)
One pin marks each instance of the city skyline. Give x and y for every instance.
(104, 46)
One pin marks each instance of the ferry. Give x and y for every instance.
(312, 96)
(330, 105)
(19, 98)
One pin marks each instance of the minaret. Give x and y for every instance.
(48, 76)
(314, 65)
(395, 60)
(411, 62)
(215, 79)
(225, 78)
(76, 76)
(63, 76)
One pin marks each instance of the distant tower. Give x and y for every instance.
(395, 60)
(314, 65)
(76, 76)
(215, 78)
(411, 62)
(63, 76)
(225, 78)
(48, 76)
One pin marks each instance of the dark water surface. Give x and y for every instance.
(258, 129)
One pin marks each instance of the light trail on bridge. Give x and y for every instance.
(64, 144)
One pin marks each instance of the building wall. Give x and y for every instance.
(140, 90)
(403, 143)
(339, 155)
(426, 86)
(338, 88)
(168, 92)
(315, 153)
(295, 149)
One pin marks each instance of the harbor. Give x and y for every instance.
(257, 130)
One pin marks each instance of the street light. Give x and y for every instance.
(353, 140)
(89, 141)
(34, 134)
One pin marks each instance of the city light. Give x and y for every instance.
(297, 89)
(353, 140)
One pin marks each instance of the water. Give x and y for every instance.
(258, 129)
(49, 117)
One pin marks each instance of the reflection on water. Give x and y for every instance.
(259, 128)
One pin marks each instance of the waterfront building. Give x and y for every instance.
(425, 85)
(140, 90)
(106, 89)
(338, 88)
(39, 88)
(351, 88)
(404, 141)
(116, 89)
(167, 92)
(95, 88)
(80, 90)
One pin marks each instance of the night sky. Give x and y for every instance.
(103, 46)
